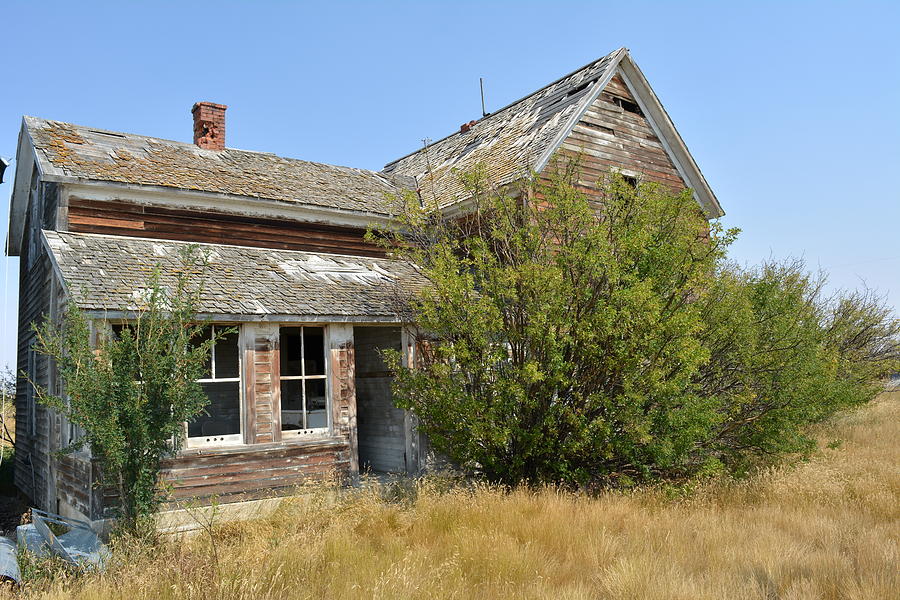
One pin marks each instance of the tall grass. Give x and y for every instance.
(825, 528)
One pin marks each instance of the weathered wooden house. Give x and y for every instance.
(300, 390)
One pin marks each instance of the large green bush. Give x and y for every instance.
(591, 344)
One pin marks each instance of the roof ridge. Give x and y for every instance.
(189, 145)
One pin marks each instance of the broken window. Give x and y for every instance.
(221, 421)
(304, 399)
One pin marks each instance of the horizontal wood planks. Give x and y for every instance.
(73, 481)
(254, 471)
(137, 220)
(610, 137)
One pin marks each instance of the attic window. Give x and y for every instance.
(628, 105)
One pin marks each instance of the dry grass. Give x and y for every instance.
(827, 528)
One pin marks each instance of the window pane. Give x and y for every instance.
(314, 350)
(291, 405)
(205, 335)
(316, 416)
(224, 411)
(290, 351)
(227, 356)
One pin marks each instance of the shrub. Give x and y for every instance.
(563, 341)
(132, 393)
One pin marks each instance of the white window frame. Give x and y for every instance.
(232, 439)
(303, 378)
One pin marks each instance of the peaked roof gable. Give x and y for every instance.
(523, 136)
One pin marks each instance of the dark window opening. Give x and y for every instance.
(304, 404)
(629, 106)
(222, 383)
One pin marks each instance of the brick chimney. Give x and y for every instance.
(209, 125)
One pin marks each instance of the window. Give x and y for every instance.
(304, 399)
(221, 423)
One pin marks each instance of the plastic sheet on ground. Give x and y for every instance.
(79, 545)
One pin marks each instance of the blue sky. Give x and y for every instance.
(791, 109)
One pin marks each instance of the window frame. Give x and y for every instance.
(231, 439)
(304, 433)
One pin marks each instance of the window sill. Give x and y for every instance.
(310, 441)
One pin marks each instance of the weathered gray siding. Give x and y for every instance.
(32, 462)
(382, 438)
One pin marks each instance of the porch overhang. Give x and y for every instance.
(108, 276)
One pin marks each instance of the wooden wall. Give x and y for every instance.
(609, 136)
(382, 435)
(137, 220)
(32, 460)
(251, 472)
(266, 465)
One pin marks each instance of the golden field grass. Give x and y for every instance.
(825, 528)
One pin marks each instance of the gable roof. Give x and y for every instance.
(522, 137)
(74, 152)
(103, 273)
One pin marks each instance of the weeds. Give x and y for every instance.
(826, 528)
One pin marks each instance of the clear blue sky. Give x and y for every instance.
(791, 109)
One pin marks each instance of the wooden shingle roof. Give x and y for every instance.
(521, 138)
(510, 142)
(105, 273)
(74, 151)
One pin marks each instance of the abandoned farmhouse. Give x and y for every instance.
(300, 389)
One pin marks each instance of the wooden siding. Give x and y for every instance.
(137, 220)
(382, 432)
(263, 390)
(608, 136)
(32, 472)
(73, 482)
(261, 470)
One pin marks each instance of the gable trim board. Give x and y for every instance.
(529, 118)
(586, 103)
(667, 133)
(659, 121)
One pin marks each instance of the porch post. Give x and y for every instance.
(342, 380)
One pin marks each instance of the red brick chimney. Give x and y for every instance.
(209, 125)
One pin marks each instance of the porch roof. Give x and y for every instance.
(110, 274)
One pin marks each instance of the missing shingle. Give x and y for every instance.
(581, 88)
(108, 133)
